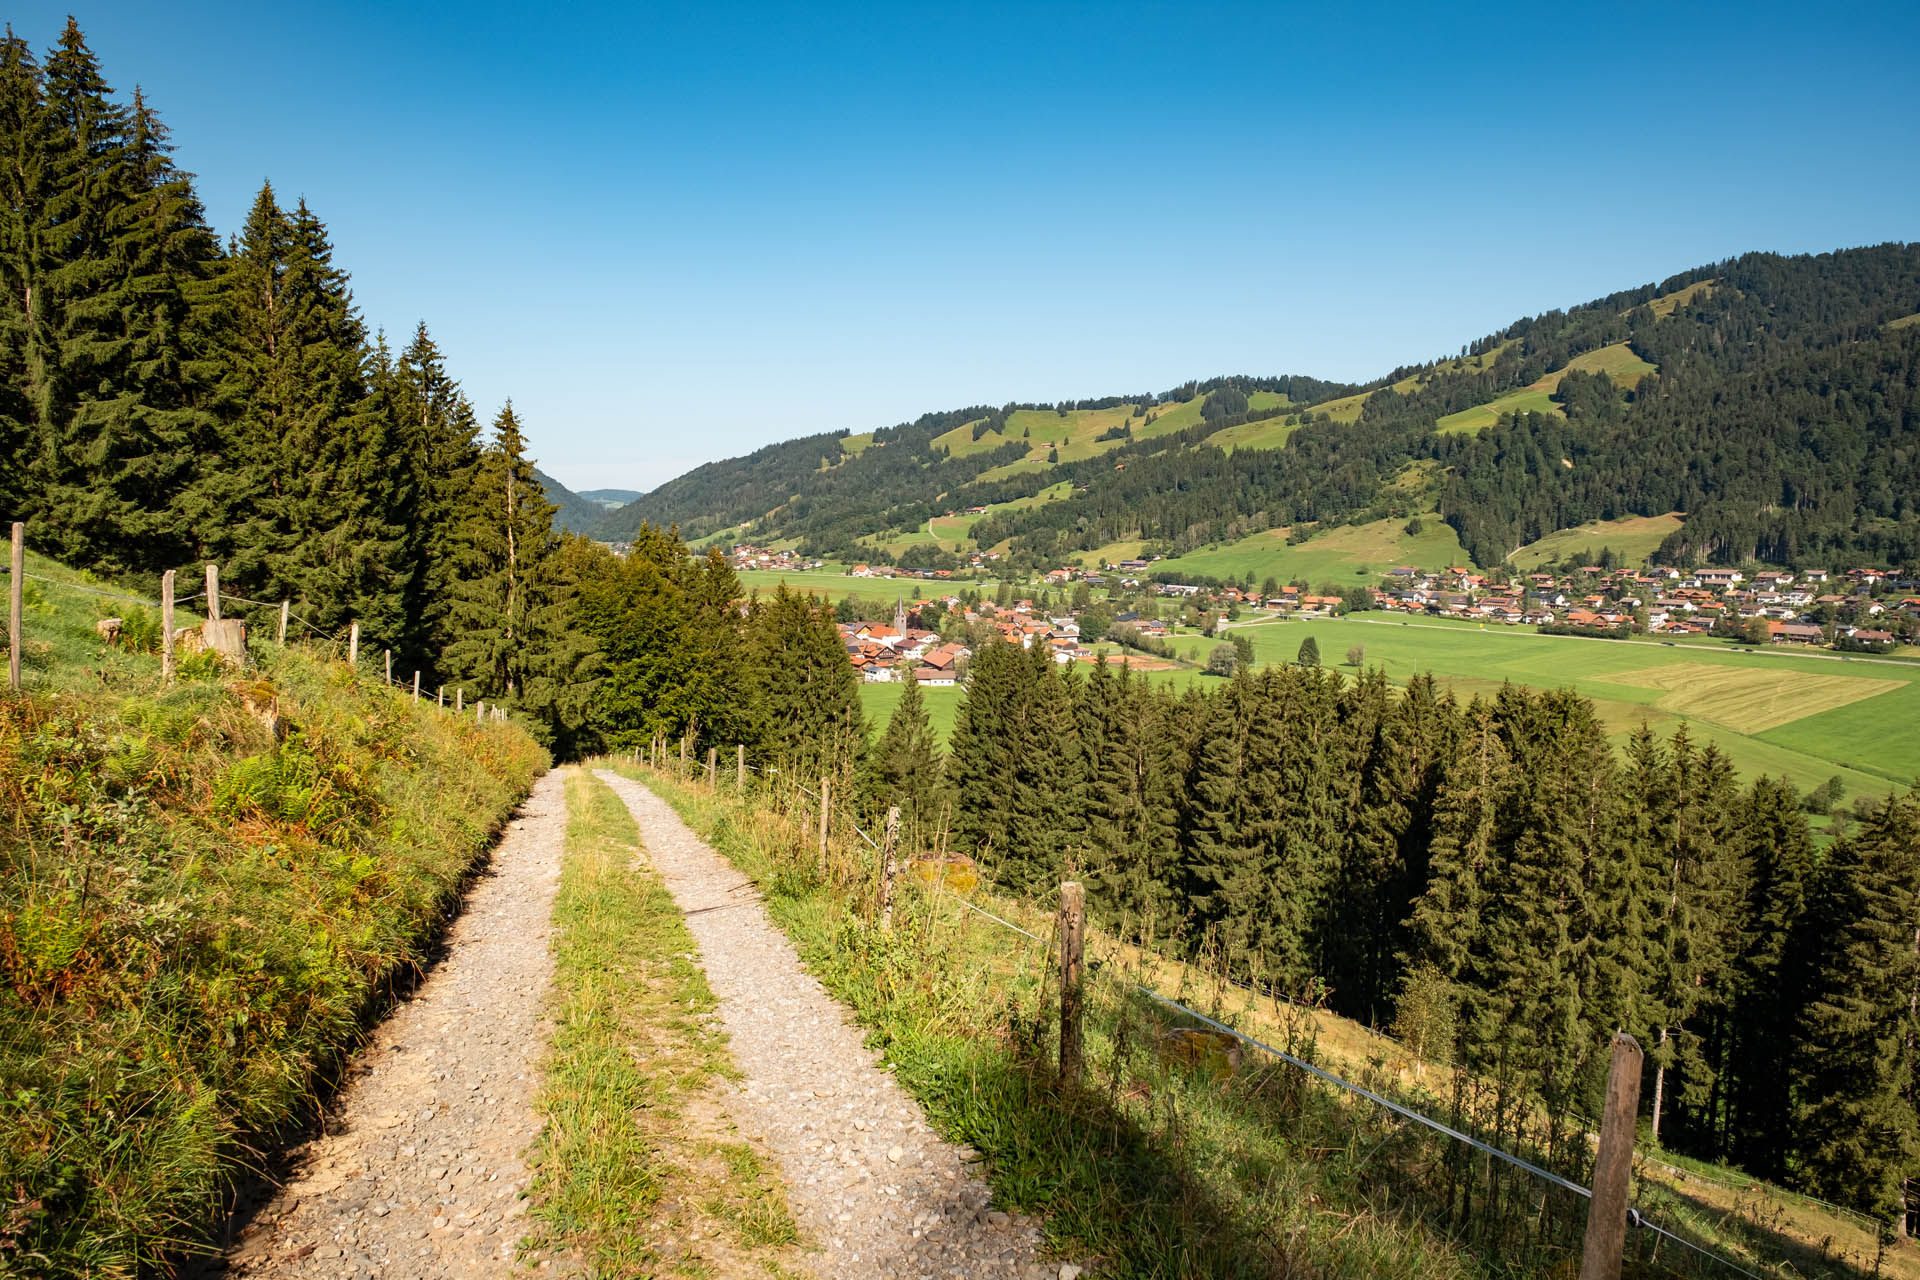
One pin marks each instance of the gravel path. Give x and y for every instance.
(420, 1170)
(871, 1184)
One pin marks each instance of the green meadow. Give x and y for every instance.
(879, 700)
(1632, 539)
(1798, 715)
(1348, 554)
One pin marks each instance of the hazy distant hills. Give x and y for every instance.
(1771, 399)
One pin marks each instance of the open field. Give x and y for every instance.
(1905, 322)
(879, 700)
(1798, 715)
(1664, 305)
(1345, 409)
(1617, 362)
(1632, 539)
(1268, 433)
(1346, 554)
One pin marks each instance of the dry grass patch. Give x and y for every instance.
(1749, 700)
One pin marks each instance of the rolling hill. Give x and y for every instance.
(1770, 398)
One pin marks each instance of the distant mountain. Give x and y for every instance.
(611, 498)
(1774, 400)
(575, 512)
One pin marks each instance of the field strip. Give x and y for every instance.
(1748, 700)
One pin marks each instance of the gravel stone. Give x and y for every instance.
(447, 1082)
(872, 1186)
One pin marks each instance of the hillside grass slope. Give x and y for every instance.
(207, 889)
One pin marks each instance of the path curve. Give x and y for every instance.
(421, 1169)
(872, 1184)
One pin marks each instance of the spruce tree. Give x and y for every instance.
(904, 768)
(1309, 655)
(805, 697)
(1853, 1070)
(437, 437)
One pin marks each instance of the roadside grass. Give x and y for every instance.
(1163, 1161)
(208, 890)
(1151, 1168)
(1632, 539)
(637, 1171)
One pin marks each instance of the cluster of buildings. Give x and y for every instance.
(747, 556)
(1798, 607)
(883, 653)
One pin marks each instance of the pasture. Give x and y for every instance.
(1632, 539)
(1800, 715)
(1617, 362)
(1348, 554)
(879, 700)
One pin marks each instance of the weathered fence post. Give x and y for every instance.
(826, 806)
(286, 606)
(683, 758)
(166, 625)
(213, 593)
(440, 698)
(888, 842)
(1612, 1163)
(16, 601)
(739, 767)
(416, 684)
(1073, 923)
(480, 711)
(353, 643)
(459, 699)
(713, 758)
(389, 654)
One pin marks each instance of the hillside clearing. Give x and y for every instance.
(1749, 699)
(1617, 361)
(1633, 539)
(1344, 554)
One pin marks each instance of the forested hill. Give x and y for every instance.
(1770, 398)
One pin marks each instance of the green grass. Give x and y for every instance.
(1905, 322)
(1268, 433)
(199, 911)
(628, 1168)
(1349, 554)
(1153, 1163)
(1665, 305)
(1633, 539)
(1868, 743)
(1345, 409)
(879, 700)
(1617, 362)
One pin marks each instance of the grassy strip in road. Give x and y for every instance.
(638, 1174)
(1152, 1168)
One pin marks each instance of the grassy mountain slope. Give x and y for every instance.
(205, 889)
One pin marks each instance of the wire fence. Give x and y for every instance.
(352, 633)
(1637, 1217)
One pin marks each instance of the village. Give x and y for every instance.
(1864, 610)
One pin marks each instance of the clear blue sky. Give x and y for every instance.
(675, 233)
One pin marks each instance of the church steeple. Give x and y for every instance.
(899, 615)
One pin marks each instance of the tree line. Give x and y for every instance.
(1490, 878)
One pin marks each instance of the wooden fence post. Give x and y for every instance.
(440, 698)
(825, 807)
(459, 699)
(213, 593)
(1612, 1163)
(416, 684)
(389, 654)
(888, 843)
(740, 767)
(683, 757)
(480, 711)
(1073, 922)
(16, 601)
(713, 758)
(286, 606)
(166, 625)
(353, 643)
